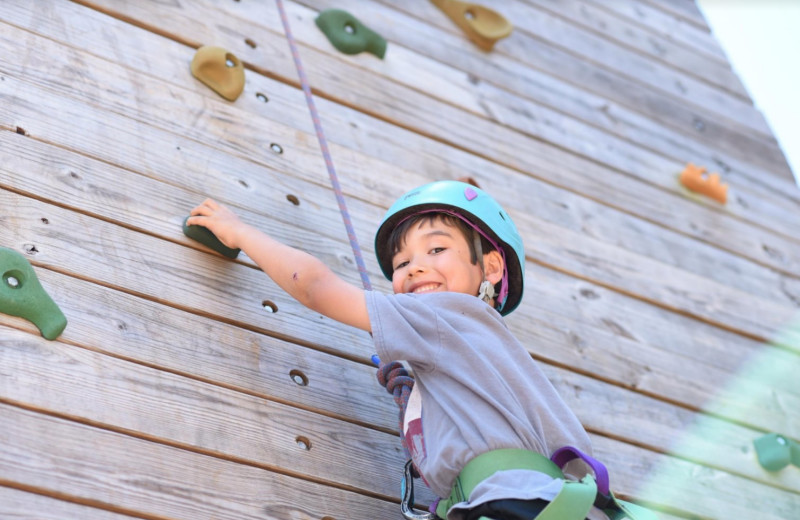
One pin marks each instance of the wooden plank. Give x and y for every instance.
(136, 474)
(157, 203)
(482, 141)
(654, 373)
(655, 149)
(592, 342)
(685, 9)
(24, 505)
(654, 46)
(539, 23)
(669, 26)
(157, 335)
(158, 480)
(585, 317)
(135, 398)
(769, 251)
(715, 504)
(660, 481)
(545, 53)
(138, 400)
(670, 301)
(609, 226)
(450, 49)
(268, 376)
(554, 252)
(145, 265)
(672, 184)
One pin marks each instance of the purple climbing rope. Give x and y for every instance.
(393, 376)
(326, 154)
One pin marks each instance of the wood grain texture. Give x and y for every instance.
(666, 322)
(575, 172)
(762, 248)
(656, 47)
(158, 480)
(25, 505)
(159, 203)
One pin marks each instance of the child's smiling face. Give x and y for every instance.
(435, 257)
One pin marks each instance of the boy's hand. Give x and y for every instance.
(221, 221)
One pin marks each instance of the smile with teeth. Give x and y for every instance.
(428, 287)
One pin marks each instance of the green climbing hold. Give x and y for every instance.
(208, 239)
(776, 451)
(349, 35)
(23, 296)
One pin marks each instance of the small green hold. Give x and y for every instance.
(208, 239)
(776, 451)
(23, 296)
(348, 34)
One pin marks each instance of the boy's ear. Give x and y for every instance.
(493, 266)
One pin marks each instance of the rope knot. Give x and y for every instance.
(395, 378)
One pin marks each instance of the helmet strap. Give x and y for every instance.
(486, 291)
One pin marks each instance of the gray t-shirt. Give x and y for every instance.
(477, 389)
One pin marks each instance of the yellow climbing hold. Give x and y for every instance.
(219, 70)
(482, 25)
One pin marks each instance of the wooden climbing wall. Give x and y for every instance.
(177, 392)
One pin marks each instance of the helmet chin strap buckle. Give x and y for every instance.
(486, 291)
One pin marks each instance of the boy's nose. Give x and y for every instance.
(414, 268)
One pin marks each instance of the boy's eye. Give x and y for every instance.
(437, 250)
(400, 265)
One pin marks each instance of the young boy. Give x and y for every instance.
(456, 264)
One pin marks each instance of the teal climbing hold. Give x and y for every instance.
(776, 451)
(349, 35)
(208, 239)
(23, 296)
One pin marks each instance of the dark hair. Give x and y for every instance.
(398, 236)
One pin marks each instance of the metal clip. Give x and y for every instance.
(407, 490)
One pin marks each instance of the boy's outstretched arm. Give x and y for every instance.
(303, 276)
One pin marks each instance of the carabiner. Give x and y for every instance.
(407, 503)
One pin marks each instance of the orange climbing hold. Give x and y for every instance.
(696, 179)
(219, 70)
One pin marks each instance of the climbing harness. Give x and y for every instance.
(573, 502)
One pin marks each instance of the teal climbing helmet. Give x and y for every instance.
(475, 207)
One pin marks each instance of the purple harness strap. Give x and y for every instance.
(563, 455)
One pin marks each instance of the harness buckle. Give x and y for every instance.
(604, 501)
(407, 502)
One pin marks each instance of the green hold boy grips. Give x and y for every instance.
(23, 296)
(776, 451)
(348, 35)
(208, 239)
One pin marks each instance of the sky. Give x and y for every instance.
(762, 41)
